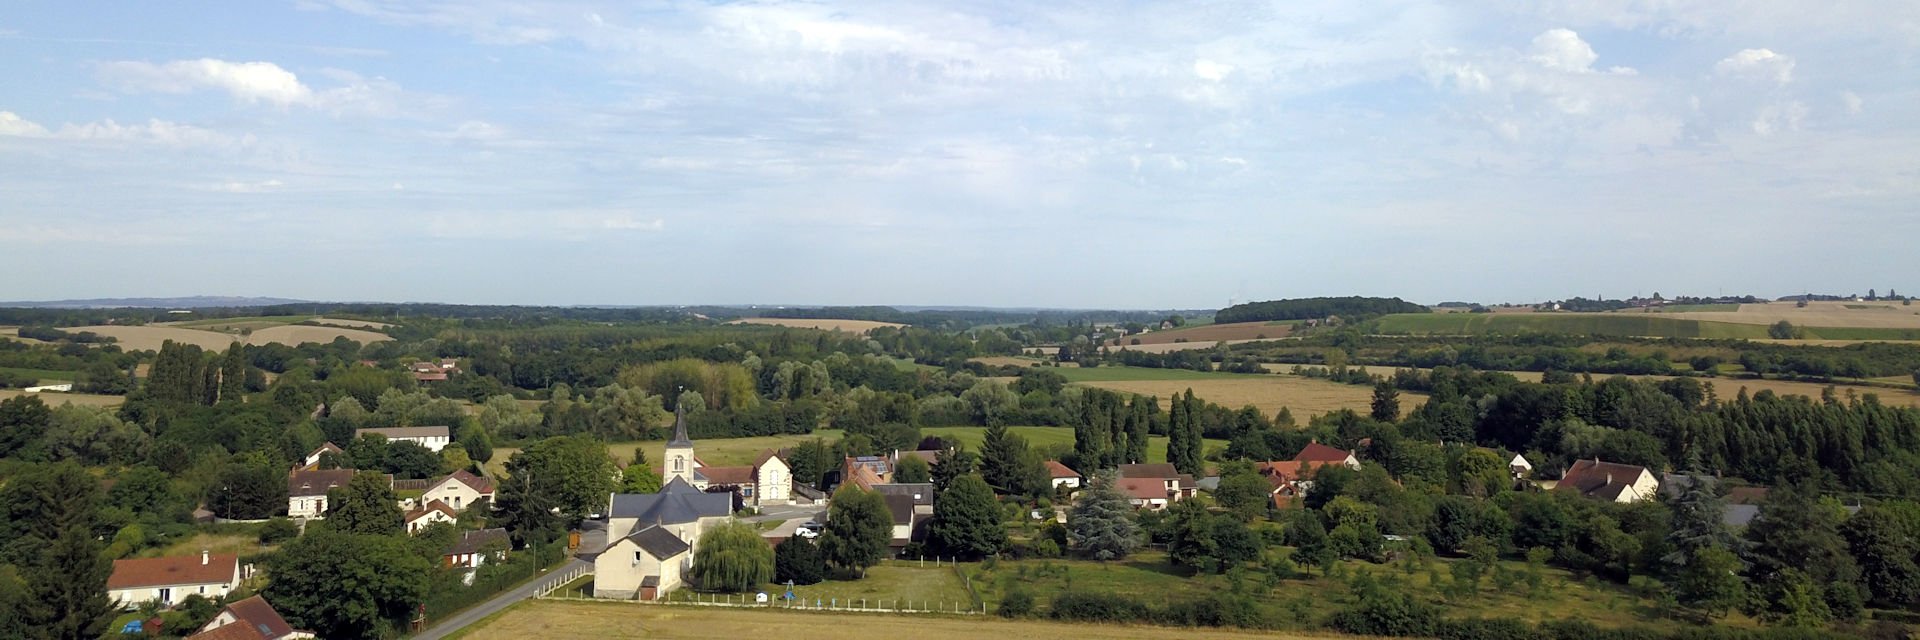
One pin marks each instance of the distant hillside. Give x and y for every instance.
(189, 302)
(1304, 308)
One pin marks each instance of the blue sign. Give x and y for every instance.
(132, 627)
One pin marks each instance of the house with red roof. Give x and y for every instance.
(313, 459)
(170, 580)
(459, 490)
(1610, 481)
(1146, 493)
(1323, 454)
(249, 618)
(429, 514)
(1062, 476)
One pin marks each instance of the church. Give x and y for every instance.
(766, 482)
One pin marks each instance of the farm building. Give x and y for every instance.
(433, 438)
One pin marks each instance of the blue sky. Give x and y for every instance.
(1074, 154)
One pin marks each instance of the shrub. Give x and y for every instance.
(1096, 607)
(278, 530)
(1018, 603)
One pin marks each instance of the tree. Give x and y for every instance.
(345, 585)
(966, 519)
(411, 460)
(1794, 530)
(1100, 524)
(1710, 581)
(1192, 544)
(250, 487)
(367, 506)
(579, 471)
(639, 478)
(811, 461)
(859, 527)
(1784, 330)
(950, 464)
(233, 374)
(1243, 491)
(23, 419)
(912, 469)
(798, 560)
(1452, 524)
(733, 557)
(1698, 520)
(1386, 402)
(70, 585)
(1309, 540)
(1000, 454)
(1878, 539)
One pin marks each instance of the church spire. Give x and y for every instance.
(680, 438)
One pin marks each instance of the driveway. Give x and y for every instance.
(790, 512)
(522, 592)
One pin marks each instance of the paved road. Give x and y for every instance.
(499, 602)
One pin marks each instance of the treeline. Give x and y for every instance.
(1578, 354)
(1304, 308)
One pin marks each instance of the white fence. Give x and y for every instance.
(747, 600)
(560, 581)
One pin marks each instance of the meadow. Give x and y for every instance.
(57, 399)
(550, 618)
(1206, 335)
(45, 376)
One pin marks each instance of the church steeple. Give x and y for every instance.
(680, 438)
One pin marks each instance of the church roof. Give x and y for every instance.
(676, 503)
(680, 439)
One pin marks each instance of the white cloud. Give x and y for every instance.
(12, 124)
(1564, 50)
(1852, 101)
(250, 82)
(1210, 70)
(242, 187)
(154, 131)
(1759, 64)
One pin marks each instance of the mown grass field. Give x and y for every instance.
(44, 375)
(889, 582)
(1305, 397)
(1119, 374)
(57, 399)
(569, 619)
(973, 436)
(1208, 334)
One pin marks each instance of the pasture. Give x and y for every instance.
(1305, 397)
(1038, 436)
(572, 619)
(45, 376)
(829, 324)
(55, 399)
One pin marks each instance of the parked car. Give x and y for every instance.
(807, 533)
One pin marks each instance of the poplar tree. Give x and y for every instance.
(233, 374)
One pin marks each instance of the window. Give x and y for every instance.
(456, 502)
(166, 595)
(678, 464)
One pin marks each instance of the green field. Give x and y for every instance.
(890, 581)
(1860, 333)
(44, 375)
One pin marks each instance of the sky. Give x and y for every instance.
(1103, 154)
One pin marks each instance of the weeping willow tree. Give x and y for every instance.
(733, 557)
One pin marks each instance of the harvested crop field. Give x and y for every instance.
(1866, 315)
(1176, 346)
(850, 326)
(342, 322)
(149, 338)
(297, 334)
(57, 399)
(1211, 333)
(571, 619)
(1305, 397)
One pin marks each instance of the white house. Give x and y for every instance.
(256, 617)
(433, 438)
(171, 580)
(64, 386)
(426, 516)
(1063, 476)
(459, 490)
(469, 550)
(307, 490)
(1610, 481)
(313, 459)
(766, 482)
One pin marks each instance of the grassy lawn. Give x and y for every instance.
(551, 619)
(57, 399)
(890, 581)
(973, 436)
(44, 375)
(237, 544)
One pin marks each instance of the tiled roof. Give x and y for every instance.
(315, 483)
(218, 568)
(901, 507)
(1144, 488)
(431, 507)
(396, 433)
(1592, 477)
(1316, 452)
(477, 483)
(658, 542)
(255, 613)
(861, 476)
(764, 457)
(727, 475)
(1058, 470)
(1154, 470)
(473, 541)
(235, 631)
(920, 493)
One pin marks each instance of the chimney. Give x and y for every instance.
(204, 558)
